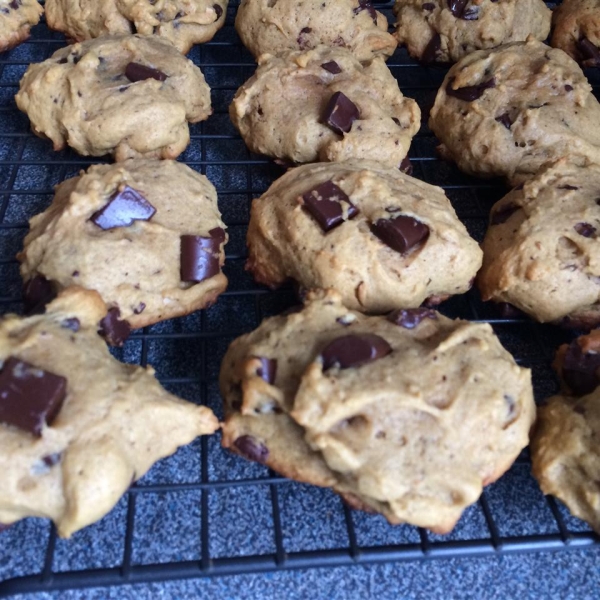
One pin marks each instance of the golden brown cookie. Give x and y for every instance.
(577, 30)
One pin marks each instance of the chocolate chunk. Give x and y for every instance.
(332, 67)
(124, 207)
(428, 6)
(137, 72)
(139, 309)
(29, 397)
(409, 318)
(114, 330)
(301, 39)
(354, 350)
(430, 54)
(590, 52)
(585, 229)
(219, 10)
(568, 187)
(470, 93)
(267, 369)
(406, 166)
(568, 88)
(73, 324)
(457, 7)
(366, 5)
(324, 204)
(505, 120)
(200, 256)
(340, 113)
(251, 448)
(581, 370)
(52, 459)
(400, 233)
(37, 292)
(14, 4)
(501, 215)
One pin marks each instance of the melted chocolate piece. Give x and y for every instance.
(52, 459)
(73, 324)
(340, 113)
(366, 5)
(504, 213)
(114, 330)
(123, 208)
(505, 120)
(139, 309)
(302, 42)
(219, 10)
(590, 53)
(430, 54)
(267, 369)
(200, 256)
(428, 6)
(354, 350)
(406, 166)
(457, 7)
(585, 229)
(37, 292)
(251, 448)
(29, 397)
(324, 204)
(470, 93)
(332, 67)
(581, 371)
(409, 318)
(14, 4)
(400, 233)
(138, 72)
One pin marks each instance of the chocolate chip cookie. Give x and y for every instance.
(125, 95)
(147, 235)
(541, 251)
(578, 364)
(78, 427)
(408, 415)
(182, 22)
(16, 19)
(507, 111)
(383, 239)
(577, 30)
(267, 26)
(446, 30)
(325, 105)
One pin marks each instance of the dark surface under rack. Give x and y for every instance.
(205, 512)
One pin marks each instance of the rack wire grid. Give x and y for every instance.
(204, 511)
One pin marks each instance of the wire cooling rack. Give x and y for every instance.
(204, 511)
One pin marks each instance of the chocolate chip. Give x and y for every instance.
(568, 88)
(251, 448)
(457, 7)
(139, 309)
(52, 459)
(505, 120)
(585, 229)
(340, 113)
(354, 350)
(138, 72)
(501, 215)
(400, 233)
(590, 52)
(29, 396)
(267, 369)
(366, 5)
(218, 10)
(14, 4)
(409, 318)
(326, 202)
(37, 292)
(469, 93)
(200, 256)
(73, 324)
(302, 41)
(470, 14)
(581, 370)
(124, 207)
(432, 50)
(406, 166)
(114, 330)
(332, 67)
(428, 6)
(568, 187)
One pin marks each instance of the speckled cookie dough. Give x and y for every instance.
(444, 31)
(577, 30)
(16, 19)
(541, 251)
(182, 22)
(125, 95)
(78, 427)
(383, 239)
(408, 415)
(147, 235)
(273, 26)
(325, 105)
(506, 112)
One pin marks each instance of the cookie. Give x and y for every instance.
(578, 364)
(77, 427)
(576, 30)
(442, 31)
(541, 251)
(16, 19)
(565, 454)
(408, 415)
(325, 105)
(182, 22)
(147, 235)
(505, 112)
(125, 95)
(265, 26)
(383, 239)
